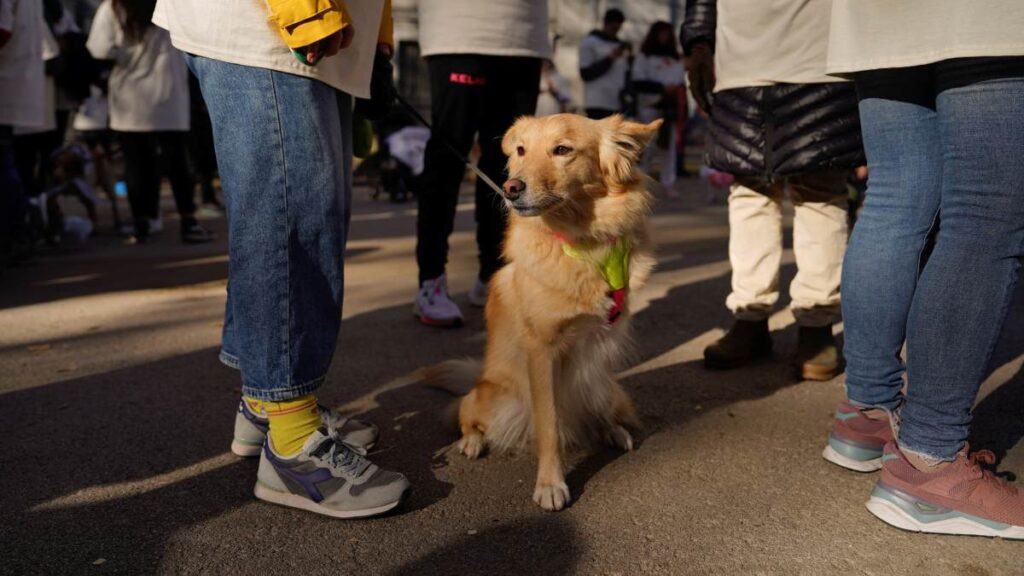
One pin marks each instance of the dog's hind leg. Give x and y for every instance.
(476, 410)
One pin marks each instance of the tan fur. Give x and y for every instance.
(549, 370)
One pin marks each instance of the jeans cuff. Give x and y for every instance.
(888, 405)
(229, 360)
(817, 317)
(928, 454)
(281, 394)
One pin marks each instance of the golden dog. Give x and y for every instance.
(558, 312)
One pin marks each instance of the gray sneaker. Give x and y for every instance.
(251, 427)
(328, 477)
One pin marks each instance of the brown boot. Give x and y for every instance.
(817, 355)
(745, 342)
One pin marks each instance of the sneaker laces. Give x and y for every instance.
(439, 289)
(333, 420)
(976, 463)
(340, 457)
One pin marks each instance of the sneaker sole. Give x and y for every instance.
(294, 501)
(894, 511)
(830, 454)
(433, 322)
(819, 373)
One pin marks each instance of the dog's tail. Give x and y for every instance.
(510, 427)
(455, 377)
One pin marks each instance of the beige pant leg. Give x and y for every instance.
(755, 248)
(820, 232)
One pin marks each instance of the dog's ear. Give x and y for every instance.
(622, 144)
(508, 141)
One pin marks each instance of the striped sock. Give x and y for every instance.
(291, 423)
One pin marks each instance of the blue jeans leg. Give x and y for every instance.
(967, 285)
(283, 147)
(880, 272)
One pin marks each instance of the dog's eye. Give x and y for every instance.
(562, 150)
(520, 150)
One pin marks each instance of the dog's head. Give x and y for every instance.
(565, 162)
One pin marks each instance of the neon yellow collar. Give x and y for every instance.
(612, 260)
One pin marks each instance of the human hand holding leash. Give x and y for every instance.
(327, 47)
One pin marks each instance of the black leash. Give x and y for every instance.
(479, 173)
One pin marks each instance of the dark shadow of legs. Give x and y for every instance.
(547, 545)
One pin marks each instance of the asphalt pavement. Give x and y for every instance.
(117, 417)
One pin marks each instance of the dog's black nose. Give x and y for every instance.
(514, 188)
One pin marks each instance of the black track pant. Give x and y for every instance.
(470, 94)
(147, 156)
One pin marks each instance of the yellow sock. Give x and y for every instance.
(291, 423)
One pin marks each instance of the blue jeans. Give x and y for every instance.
(956, 167)
(284, 152)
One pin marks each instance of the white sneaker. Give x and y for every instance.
(478, 295)
(434, 307)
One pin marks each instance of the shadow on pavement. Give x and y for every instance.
(997, 423)
(77, 455)
(115, 465)
(546, 545)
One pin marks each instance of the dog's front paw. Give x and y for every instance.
(620, 438)
(551, 497)
(472, 445)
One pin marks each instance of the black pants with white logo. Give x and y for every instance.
(471, 95)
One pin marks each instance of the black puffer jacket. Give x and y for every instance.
(780, 130)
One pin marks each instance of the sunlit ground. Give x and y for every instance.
(117, 419)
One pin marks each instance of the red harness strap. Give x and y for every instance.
(618, 299)
(618, 296)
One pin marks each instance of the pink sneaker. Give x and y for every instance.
(961, 498)
(856, 441)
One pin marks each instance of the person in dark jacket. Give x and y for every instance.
(778, 124)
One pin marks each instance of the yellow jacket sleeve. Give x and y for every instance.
(305, 22)
(386, 35)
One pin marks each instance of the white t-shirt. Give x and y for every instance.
(93, 113)
(874, 34)
(603, 92)
(767, 42)
(148, 88)
(237, 31)
(22, 78)
(665, 70)
(490, 27)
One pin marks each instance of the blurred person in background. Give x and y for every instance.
(555, 95)
(149, 110)
(34, 145)
(942, 110)
(604, 65)
(484, 72)
(273, 76)
(22, 95)
(779, 124)
(659, 81)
